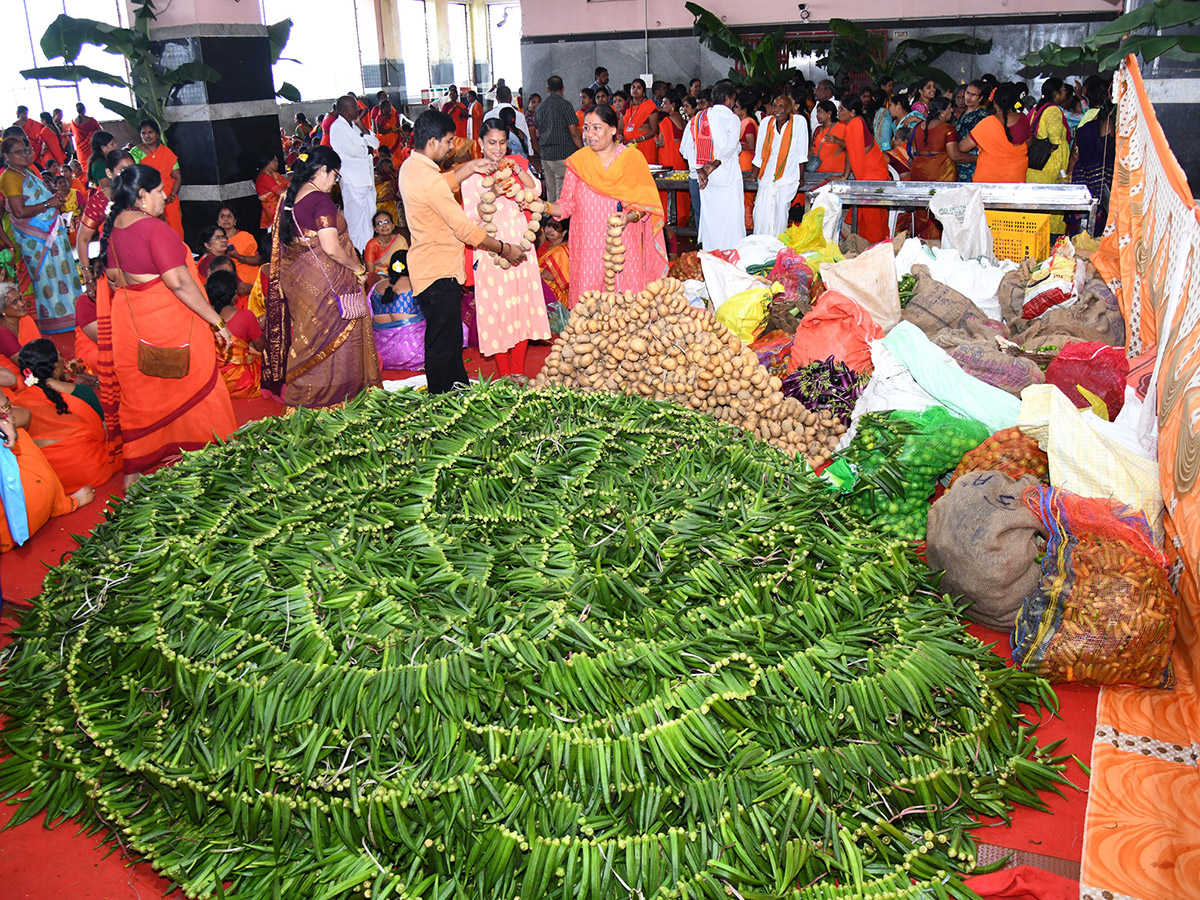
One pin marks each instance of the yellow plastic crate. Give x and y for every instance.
(1016, 235)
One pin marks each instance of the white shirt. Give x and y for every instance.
(354, 147)
(522, 125)
(726, 129)
(797, 152)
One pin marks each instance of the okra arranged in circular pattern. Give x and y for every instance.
(504, 643)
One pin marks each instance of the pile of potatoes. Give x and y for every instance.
(656, 345)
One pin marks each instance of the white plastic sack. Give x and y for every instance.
(891, 387)
(976, 279)
(758, 249)
(1089, 460)
(1125, 429)
(724, 280)
(870, 280)
(944, 379)
(964, 224)
(831, 225)
(695, 292)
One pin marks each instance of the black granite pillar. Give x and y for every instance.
(220, 131)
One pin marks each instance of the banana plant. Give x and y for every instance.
(855, 49)
(761, 63)
(152, 84)
(1138, 32)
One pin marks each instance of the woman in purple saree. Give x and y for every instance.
(320, 351)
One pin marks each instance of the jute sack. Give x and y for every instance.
(985, 537)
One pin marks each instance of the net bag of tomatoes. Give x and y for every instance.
(893, 465)
(1010, 451)
(1104, 612)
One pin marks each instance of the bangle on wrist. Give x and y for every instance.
(216, 329)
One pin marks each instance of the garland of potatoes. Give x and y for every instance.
(655, 344)
(614, 252)
(505, 183)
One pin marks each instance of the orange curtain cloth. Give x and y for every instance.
(44, 494)
(1143, 821)
(166, 162)
(155, 418)
(1000, 161)
(74, 444)
(635, 118)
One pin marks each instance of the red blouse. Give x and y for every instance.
(147, 247)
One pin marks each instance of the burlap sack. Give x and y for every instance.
(1011, 295)
(953, 322)
(987, 540)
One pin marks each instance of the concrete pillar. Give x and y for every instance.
(219, 130)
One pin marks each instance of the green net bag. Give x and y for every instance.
(893, 465)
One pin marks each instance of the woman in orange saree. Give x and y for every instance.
(641, 121)
(385, 122)
(932, 142)
(866, 161)
(270, 186)
(65, 420)
(159, 384)
(554, 260)
(45, 497)
(670, 132)
(154, 153)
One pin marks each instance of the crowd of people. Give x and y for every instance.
(335, 294)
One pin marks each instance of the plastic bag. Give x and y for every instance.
(1103, 612)
(945, 380)
(896, 460)
(987, 541)
(745, 314)
(830, 206)
(870, 279)
(1052, 283)
(964, 223)
(774, 349)
(724, 280)
(757, 249)
(558, 315)
(1011, 452)
(837, 327)
(1085, 459)
(809, 236)
(795, 275)
(1098, 368)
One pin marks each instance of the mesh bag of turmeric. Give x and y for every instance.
(1010, 451)
(1104, 612)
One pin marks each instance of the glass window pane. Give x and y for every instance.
(460, 43)
(414, 47)
(504, 30)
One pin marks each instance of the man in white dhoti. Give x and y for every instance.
(711, 143)
(780, 158)
(353, 141)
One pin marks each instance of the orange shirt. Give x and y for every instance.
(437, 223)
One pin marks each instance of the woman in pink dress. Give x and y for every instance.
(605, 179)
(510, 309)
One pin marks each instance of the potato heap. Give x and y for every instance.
(654, 344)
(614, 252)
(505, 183)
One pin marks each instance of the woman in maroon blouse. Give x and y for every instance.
(320, 350)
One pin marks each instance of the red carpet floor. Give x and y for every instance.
(60, 864)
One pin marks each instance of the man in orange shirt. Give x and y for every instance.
(439, 229)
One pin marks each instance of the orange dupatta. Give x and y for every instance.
(784, 149)
(635, 118)
(627, 180)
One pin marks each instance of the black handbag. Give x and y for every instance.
(1040, 149)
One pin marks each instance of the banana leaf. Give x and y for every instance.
(189, 72)
(289, 92)
(74, 74)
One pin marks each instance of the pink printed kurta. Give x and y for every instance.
(589, 212)
(509, 304)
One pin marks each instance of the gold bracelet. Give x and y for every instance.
(216, 329)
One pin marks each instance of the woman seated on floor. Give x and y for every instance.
(41, 491)
(396, 321)
(66, 420)
(241, 362)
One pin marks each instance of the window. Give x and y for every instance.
(319, 43)
(460, 43)
(414, 47)
(504, 33)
